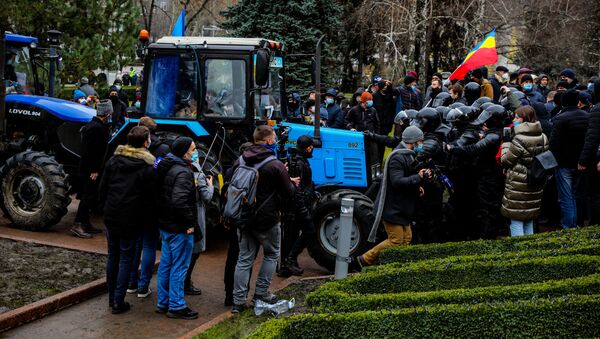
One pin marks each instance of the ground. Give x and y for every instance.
(31, 272)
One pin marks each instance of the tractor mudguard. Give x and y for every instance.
(33, 107)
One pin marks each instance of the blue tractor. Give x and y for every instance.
(39, 143)
(217, 90)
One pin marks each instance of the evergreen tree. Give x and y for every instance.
(296, 23)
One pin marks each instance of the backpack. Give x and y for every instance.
(240, 210)
(540, 169)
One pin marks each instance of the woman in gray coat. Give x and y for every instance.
(521, 202)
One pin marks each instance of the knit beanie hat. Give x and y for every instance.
(567, 72)
(104, 108)
(78, 94)
(365, 96)
(180, 146)
(409, 79)
(412, 134)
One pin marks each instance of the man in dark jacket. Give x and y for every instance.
(384, 103)
(274, 185)
(177, 220)
(127, 194)
(568, 75)
(299, 216)
(589, 164)
(407, 96)
(147, 242)
(119, 109)
(569, 129)
(397, 198)
(294, 109)
(498, 80)
(94, 139)
(335, 116)
(363, 117)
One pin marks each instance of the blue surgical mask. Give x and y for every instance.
(528, 87)
(591, 87)
(138, 104)
(414, 87)
(329, 101)
(370, 103)
(418, 148)
(118, 87)
(195, 157)
(516, 123)
(272, 147)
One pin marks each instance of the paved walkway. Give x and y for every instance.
(92, 318)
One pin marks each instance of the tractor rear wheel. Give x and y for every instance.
(326, 216)
(34, 192)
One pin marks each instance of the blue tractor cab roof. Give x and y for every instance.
(19, 39)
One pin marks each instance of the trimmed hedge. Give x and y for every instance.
(592, 248)
(326, 300)
(66, 92)
(548, 240)
(442, 275)
(566, 317)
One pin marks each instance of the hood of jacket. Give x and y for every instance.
(529, 128)
(135, 153)
(167, 162)
(127, 158)
(255, 154)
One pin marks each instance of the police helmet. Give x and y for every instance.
(428, 120)
(443, 111)
(480, 101)
(456, 105)
(412, 113)
(442, 99)
(493, 116)
(401, 117)
(486, 105)
(472, 92)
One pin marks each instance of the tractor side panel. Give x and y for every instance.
(341, 160)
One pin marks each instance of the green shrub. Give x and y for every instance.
(568, 316)
(590, 248)
(443, 275)
(325, 300)
(548, 240)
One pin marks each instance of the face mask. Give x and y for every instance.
(414, 87)
(516, 123)
(83, 101)
(329, 101)
(528, 87)
(591, 87)
(370, 103)
(195, 157)
(118, 87)
(505, 76)
(138, 104)
(418, 148)
(272, 147)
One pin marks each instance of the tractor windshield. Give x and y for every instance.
(173, 86)
(18, 71)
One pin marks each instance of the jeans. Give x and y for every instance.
(118, 266)
(174, 261)
(145, 249)
(519, 227)
(397, 235)
(249, 241)
(565, 182)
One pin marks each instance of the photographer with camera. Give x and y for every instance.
(397, 198)
(300, 210)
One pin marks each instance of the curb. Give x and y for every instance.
(57, 302)
(227, 314)
(52, 244)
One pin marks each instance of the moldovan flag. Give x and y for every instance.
(483, 54)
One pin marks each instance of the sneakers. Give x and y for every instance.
(357, 264)
(78, 231)
(185, 313)
(143, 292)
(191, 290)
(269, 298)
(89, 228)
(161, 310)
(131, 289)
(118, 309)
(238, 308)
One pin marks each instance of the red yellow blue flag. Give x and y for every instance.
(483, 54)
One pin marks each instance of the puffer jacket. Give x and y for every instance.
(521, 201)
(177, 199)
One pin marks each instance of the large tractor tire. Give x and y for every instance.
(326, 216)
(34, 192)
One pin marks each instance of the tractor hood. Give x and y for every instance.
(34, 106)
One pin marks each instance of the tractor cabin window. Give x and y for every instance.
(225, 88)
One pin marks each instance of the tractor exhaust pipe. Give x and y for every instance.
(2, 83)
(317, 122)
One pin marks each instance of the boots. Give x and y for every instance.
(89, 228)
(293, 267)
(189, 287)
(78, 231)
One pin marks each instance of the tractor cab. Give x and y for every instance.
(20, 72)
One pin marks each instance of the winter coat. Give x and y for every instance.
(335, 116)
(407, 98)
(568, 136)
(94, 140)
(535, 96)
(362, 119)
(127, 191)
(204, 197)
(273, 178)
(589, 154)
(521, 201)
(177, 199)
(429, 96)
(496, 85)
(118, 115)
(486, 89)
(385, 105)
(402, 184)
(158, 148)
